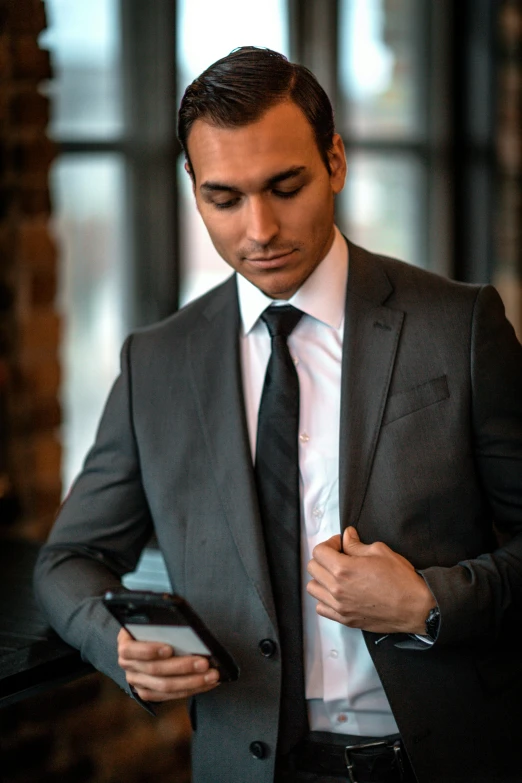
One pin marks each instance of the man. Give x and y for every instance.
(409, 443)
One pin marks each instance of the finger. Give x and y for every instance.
(322, 575)
(324, 596)
(131, 649)
(124, 636)
(352, 544)
(350, 536)
(171, 667)
(317, 591)
(327, 555)
(326, 611)
(157, 696)
(173, 686)
(126, 642)
(334, 542)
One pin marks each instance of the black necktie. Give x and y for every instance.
(277, 478)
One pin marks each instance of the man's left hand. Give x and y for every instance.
(368, 586)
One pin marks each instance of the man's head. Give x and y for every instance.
(238, 89)
(265, 166)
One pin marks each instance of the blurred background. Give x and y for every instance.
(99, 233)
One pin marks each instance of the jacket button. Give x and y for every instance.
(258, 749)
(267, 647)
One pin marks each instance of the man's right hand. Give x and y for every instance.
(156, 674)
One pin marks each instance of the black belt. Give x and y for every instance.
(356, 759)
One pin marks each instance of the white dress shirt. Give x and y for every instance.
(343, 689)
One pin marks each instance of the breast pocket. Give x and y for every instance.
(403, 403)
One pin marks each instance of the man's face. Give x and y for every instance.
(266, 197)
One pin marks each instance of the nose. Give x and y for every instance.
(262, 224)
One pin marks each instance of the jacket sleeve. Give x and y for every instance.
(98, 536)
(481, 598)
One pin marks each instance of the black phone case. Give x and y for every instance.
(143, 607)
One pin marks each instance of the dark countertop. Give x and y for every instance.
(32, 657)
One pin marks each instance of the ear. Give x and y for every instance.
(337, 159)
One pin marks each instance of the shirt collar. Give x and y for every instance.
(322, 295)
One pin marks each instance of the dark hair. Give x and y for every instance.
(241, 87)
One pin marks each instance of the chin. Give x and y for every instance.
(277, 290)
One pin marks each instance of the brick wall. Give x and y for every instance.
(29, 370)
(88, 731)
(508, 278)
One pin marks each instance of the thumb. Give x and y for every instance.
(351, 541)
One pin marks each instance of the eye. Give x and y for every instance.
(225, 204)
(287, 193)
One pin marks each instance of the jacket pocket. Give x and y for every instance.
(406, 402)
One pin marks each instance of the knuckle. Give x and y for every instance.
(182, 665)
(156, 669)
(147, 654)
(161, 685)
(150, 669)
(123, 650)
(336, 591)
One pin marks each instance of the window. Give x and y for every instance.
(90, 207)
(413, 110)
(383, 77)
(119, 187)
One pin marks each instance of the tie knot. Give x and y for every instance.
(281, 320)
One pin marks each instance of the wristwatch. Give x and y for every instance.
(433, 622)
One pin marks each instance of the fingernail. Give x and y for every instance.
(200, 665)
(212, 676)
(164, 652)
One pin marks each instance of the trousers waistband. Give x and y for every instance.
(352, 758)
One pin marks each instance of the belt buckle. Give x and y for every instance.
(380, 743)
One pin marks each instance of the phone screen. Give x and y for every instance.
(168, 619)
(181, 638)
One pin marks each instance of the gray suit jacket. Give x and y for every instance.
(430, 463)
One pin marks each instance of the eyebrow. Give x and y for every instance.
(294, 171)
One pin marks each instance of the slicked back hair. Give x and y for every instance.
(238, 89)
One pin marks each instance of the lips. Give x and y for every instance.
(272, 260)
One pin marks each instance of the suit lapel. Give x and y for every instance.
(371, 337)
(213, 352)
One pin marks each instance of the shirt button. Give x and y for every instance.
(295, 360)
(333, 654)
(342, 718)
(317, 512)
(304, 437)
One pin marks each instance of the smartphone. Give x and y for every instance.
(168, 618)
